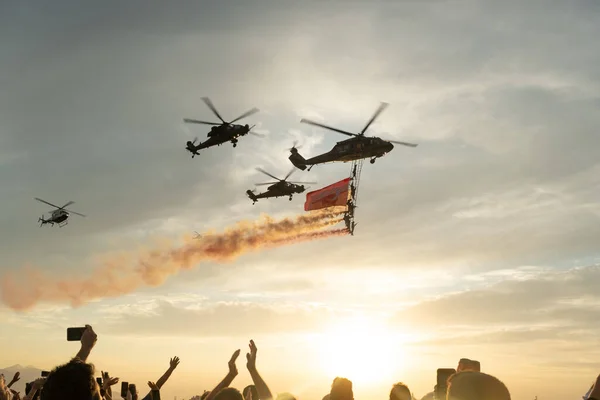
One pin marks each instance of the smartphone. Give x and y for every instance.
(75, 334)
(124, 389)
(442, 381)
(99, 380)
(133, 391)
(45, 374)
(464, 364)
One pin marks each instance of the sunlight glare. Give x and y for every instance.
(362, 350)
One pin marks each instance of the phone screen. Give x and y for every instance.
(75, 334)
(99, 380)
(442, 381)
(124, 389)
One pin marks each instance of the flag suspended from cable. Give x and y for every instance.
(333, 195)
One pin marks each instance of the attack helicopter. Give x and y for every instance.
(58, 216)
(281, 188)
(220, 133)
(357, 147)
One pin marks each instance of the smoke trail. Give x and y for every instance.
(124, 273)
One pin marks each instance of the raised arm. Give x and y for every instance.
(88, 341)
(107, 384)
(15, 379)
(228, 378)
(261, 387)
(163, 379)
(173, 363)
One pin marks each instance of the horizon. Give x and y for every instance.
(480, 243)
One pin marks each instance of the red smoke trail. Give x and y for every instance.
(121, 274)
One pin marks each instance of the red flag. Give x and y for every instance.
(335, 194)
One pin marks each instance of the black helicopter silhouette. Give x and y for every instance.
(222, 132)
(281, 188)
(58, 216)
(356, 148)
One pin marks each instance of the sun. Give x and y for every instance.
(362, 350)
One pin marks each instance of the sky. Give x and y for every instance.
(479, 243)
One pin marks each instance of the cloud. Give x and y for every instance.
(220, 320)
(516, 309)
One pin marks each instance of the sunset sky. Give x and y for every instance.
(482, 242)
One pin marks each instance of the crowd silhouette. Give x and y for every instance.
(76, 380)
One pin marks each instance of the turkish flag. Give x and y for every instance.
(333, 195)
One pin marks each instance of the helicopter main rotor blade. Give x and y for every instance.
(295, 146)
(306, 121)
(44, 201)
(76, 213)
(268, 174)
(246, 114)
(382, 107)
(402, 143)
(68, 204)
(210, 105)
(290, 173)
(303, 183)
(260, 135)
(264, 184)
(195, 121)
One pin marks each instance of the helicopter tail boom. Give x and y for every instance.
(298, 161)
(251, 195)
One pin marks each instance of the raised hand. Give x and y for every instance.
(251, 357)
(16, 378)
(89, 337)
(153, 386)
(174, 362)
(233, 371)
(108, 382)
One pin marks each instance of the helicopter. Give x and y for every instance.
(357, 147)
(281, 188)
(58, 216)
(220, 132)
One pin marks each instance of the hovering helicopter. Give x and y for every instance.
(58, 216)
(355, 148)
(281, 188)
(220, 132)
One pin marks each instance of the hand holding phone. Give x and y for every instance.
(442, 382)
(133, 391)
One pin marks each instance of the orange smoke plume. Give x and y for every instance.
(117, 275)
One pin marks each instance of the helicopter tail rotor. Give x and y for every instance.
(260, 135)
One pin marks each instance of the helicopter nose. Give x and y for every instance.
(389, 147)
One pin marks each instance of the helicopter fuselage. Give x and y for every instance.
(280, 189)
(230, 131)
(352, 149)
(59, 216)
(219, 135)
